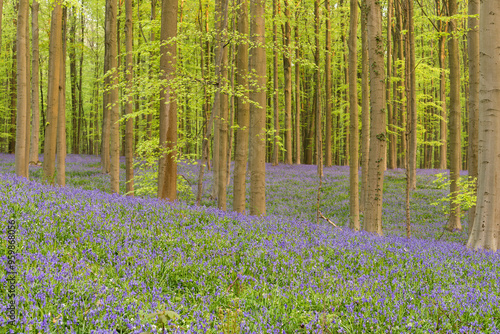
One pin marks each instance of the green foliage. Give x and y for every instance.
(466, 195)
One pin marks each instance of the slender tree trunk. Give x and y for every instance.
(243, 110)
(287, 69)
(35, 85)
(258, 110)
(298, 106)
(275, 87)
(485, 232)
(455, 122)
(72, 70)
(392, 130)
(129, 106)
(412, 99)
(319, 138)
(328, 87)
(354, 126)
(114, 103)
(28, 97)
(473, 50)
(442, 92)
(167, 167)
(80, 87)
(22, 99)
(61, 119)
(1, 15)
(106, 125)
(223, 119)
(55, 58)
(365, 106)
(378, 136)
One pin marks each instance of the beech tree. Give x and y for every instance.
(61, 118)
(129, 106)
(257, 66)
(485, 232)
(113, 99)
(378, 143)
(35, 85)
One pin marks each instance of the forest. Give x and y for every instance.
(236, 166)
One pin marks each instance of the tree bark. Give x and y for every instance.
(276, 118)
(113, 102)
(391, 163)
(22, 99)
(129, 106)
(287, 69)
(61, 119)
(455, 122)
(167, 165)
(328, 87)
(243, 110)
(473, 51)
(354, 120)
(442, 93)
(319, 138)
(106, 125)
(411, 99)
(298, 106)
(55, 50)
(485, 232)
(258, 110)
(35, 85)
(365, 106)
(72, 70)
(376, 164)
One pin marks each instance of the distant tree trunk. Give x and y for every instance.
(328, 87)
(319, 138)
(129, 106)
(287, 69)
(106, 124)
(22, 99)
(378, 137)
(365, 106)
(485, 232)
(392, 134)
(473, 50)
(243, 110)
(411, 99)
(167, 167)
(28, 97)
(72, 70)
(298, 106)
(455, 122)
(113, 99)
(442, 92)
(354, 126)
(1, 15)
(258, 110)
(80, 79)
(35, 85)
(61, 119)
(55, 55)
(152, 38)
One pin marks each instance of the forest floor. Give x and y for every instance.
(88, 261)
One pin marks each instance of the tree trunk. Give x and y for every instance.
(22, 68)
(391, 163)
(72, 70)
(354, 126)
(28, 97)
(365, 106)
(412, 99)
(298, 106)
(328, 87)
(35, 85)
(113, 102)
(376, 163)
(13, 98)
(473, 50)
(319, 139)
(287, 70)
(167, 165)
(276, 118)
(106, 125)
(243, 109)
(442, 93)
(485, 232)
(258, 110)
(61, 119)
(1, 15)
(55, 55)
(455, 122)
(129, 106)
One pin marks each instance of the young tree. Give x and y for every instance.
(55, 55)
(287, 69)
(35, 85)
(455, 119)
(298, 105)
(485, 232)
(376, 163)
(473, 51)
(167, 165)
(328, 87)
(129, 106)
(319, 139)
(276, 133)
(258, 110)
(22, 86)
(365, 106)
(243, 109)
(411, 97)
(354, 125)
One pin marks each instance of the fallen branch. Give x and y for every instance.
(328, 220)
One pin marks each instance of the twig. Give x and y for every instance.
(231, 285)
(328, 220)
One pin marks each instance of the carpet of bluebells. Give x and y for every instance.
(91, 262)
